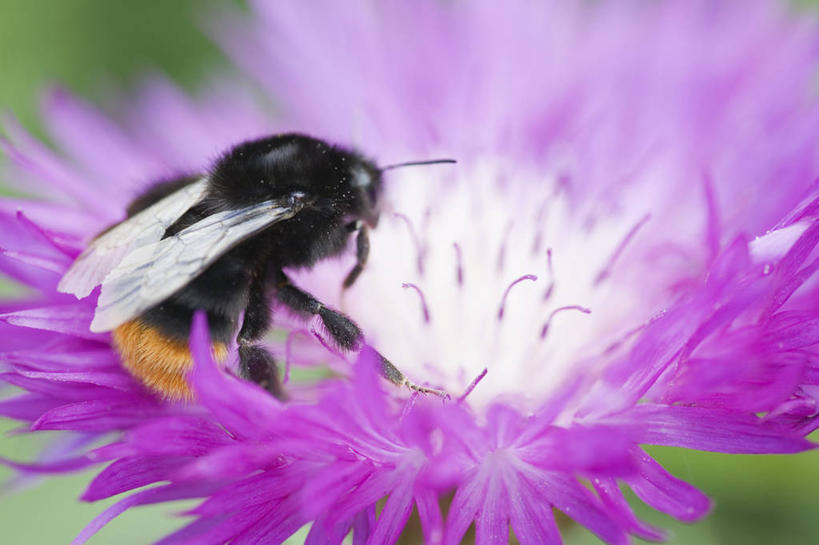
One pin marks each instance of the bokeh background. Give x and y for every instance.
(98, 48)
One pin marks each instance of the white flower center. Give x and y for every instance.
(502, 269)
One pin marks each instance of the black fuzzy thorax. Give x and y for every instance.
(279, 165)
(254, 172)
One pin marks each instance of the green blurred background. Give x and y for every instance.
(94, 46)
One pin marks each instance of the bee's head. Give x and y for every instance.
(366, 185)
(366, 188)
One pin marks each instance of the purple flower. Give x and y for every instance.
(623, 256)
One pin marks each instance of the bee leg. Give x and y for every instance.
(394, 375)
(362, 252)
(258, 316)
(344, 332)
(255, 363)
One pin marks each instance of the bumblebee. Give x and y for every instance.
(219, 242)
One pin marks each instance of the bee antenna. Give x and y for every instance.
(414, 163)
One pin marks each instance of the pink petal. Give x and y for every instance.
(659, 489)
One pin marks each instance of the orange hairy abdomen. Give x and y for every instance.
(158, 362)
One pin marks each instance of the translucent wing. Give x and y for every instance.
(106, 251)
(152, 273)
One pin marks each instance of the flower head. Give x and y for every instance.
(624, 255)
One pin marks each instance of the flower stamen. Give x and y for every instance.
(408, 406)
(419, 248)
(420, 293)
(545, 330)
(288, 351)
(502, 307)
(502, 250)
(471, 386)
(539, 217)
(459, 274)
(551, 287)
(332, 349)
(606, 271)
